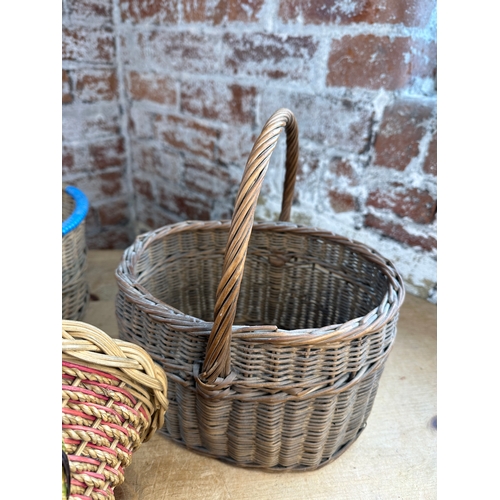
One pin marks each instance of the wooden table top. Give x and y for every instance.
(394, 458)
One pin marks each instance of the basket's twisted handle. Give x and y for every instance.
(217, 357)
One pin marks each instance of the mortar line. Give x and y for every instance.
(124, 112)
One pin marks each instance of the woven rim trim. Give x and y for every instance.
(128, 283)
(79, 212)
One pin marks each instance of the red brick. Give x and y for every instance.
(369, 61)
(143, 187)
(207, 179)
(86, 44)
(407, 12)
(110, 153)
(423, 59)
(187, 135)
(91, 10)
(403, 127)
(399, 233)
(68, 159)
(231, 103)
(114, 213)
(110, 183)
(430, 162)
(96, 85)
(414, 203)
(342, 202)
(150, 11)
(75, 158)
(188, 205)
(343, 168)
(152, 87)
(270, 55)
(67, 96)
(222, 10)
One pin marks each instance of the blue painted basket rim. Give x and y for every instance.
(79, 212)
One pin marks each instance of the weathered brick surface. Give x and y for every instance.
(188, 204)
(90, 121)
(407, 12)
(186, 134)
(414, 203)
(370, 61)
(343, 169)
(220, 11)
(342, 202)
(108, 153)
(88, 44)
(341, 123)
(430, 163)
(163, 134)
(235, 104)
(67, 96)
(110, 237)
(114, 213)
(144, 187)
(91, 10)
(402, 128)
(207, 179)
(152, 87)
(142, 122)
(152, 159)
(151, 216)
(398, 232)
(150, 11)
(423, 59)
(93, 85)
(270, 55)
(235, 144)
(167, 51)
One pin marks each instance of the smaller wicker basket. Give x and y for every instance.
(114, 398)
(75, 289)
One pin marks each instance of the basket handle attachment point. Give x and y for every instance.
(216, 365)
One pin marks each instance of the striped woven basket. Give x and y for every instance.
(114, 399)
(75, 289)
(273, 336)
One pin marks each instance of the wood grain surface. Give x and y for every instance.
(394, 458)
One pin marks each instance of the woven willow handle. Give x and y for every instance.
(217, 358)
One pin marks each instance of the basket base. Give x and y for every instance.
(278, 468)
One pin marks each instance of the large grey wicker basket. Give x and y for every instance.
(273, 336)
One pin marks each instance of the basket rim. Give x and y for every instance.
(128, 283)
(79, 212)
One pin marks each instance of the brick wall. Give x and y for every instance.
(162, 100)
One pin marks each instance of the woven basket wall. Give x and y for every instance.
(114, 399)
(75, 289)
(273, 336)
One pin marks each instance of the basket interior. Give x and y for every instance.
(291, 280)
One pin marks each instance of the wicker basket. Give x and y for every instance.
(273, 336)
(113, 399)
(75, 289)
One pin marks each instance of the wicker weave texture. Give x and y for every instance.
(113, 399)
(282, 372)
(75, 289)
